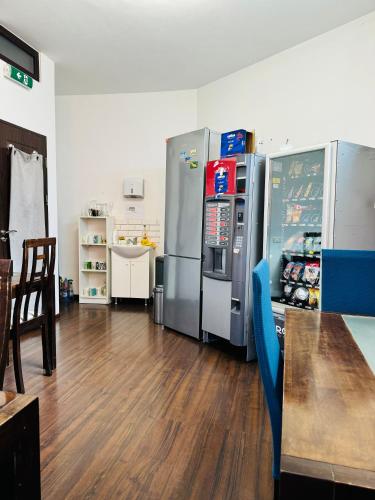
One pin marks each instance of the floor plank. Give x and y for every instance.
(135, 412)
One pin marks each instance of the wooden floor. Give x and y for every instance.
(135, 412)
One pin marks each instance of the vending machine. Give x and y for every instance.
(233, 229)
(318, 197)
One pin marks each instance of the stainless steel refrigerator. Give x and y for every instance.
(187, 156)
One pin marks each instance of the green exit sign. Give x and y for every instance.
(17, 75)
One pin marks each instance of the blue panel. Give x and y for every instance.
(348, 281)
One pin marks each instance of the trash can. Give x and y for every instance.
(158, 304)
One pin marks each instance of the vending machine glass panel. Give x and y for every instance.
(295, 227)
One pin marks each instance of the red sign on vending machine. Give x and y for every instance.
(221, 177)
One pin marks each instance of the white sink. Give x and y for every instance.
(130, 251)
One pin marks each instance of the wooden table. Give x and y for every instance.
(328, 429)
(19, 446)
(51, 312)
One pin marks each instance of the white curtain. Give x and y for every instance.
(26, 202)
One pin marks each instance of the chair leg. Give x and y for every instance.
(46, 350)
(3, 364)
(17, 362)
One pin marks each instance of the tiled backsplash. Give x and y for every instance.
(130, 228)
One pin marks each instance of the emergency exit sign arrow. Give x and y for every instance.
(19, 76)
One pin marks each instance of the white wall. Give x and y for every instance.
(35, 110)
(321, 90)
(317, 91)
(104, 138)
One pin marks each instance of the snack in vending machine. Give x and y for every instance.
(316, 218)
(300, 295)
(288, 291)
(294, 244)
(309, 244)
(313, 169)
(317, 244)
(290, 194)
(311, 273)
(297, 271)
(296, 168)
(308, 190)
(289, 213)
(314, 296)
(287, 270)
(296, 213)
(299, 191)
(317, 190)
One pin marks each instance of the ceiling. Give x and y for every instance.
(110, 46)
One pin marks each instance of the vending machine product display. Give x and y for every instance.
(307, 208)
(233, 223)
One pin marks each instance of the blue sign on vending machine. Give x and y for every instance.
(221, 181)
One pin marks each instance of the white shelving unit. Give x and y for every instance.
(94, 279)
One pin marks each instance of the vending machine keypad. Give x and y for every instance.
(218, 224)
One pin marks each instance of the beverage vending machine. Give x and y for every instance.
(233, 231)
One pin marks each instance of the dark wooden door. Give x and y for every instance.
(27, 141)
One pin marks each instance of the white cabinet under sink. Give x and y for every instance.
(132, 277)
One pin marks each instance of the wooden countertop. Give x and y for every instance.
(11, 403)
(329, 402)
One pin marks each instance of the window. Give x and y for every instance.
(17, 53)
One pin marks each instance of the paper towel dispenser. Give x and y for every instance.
(133, 187)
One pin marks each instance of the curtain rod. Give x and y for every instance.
(10, 146)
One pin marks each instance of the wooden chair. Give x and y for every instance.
(36, 278)
(5, 313)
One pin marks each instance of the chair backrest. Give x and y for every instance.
(269, 355)
(38, 267)
(348, 281)
(5, 313)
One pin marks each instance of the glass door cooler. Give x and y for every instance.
(320, 197)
